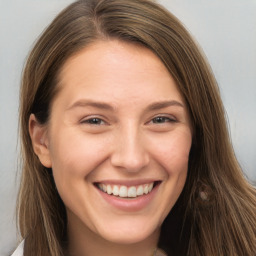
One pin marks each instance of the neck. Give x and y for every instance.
(83, 242)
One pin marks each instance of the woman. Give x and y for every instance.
(124, 141)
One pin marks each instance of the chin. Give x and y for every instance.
(129, 233)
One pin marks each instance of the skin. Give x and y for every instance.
(142, 132)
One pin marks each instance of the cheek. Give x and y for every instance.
(75, 154)
(172, 151)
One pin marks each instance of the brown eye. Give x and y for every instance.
(94, 121)
(162, 119)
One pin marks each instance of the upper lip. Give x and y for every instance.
(127, 182)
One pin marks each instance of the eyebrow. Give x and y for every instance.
(164, 104)
(106, 106)
(90, 103)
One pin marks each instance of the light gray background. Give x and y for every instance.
(225, 29)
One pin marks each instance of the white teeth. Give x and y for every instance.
(109, 189)
(146, 189)
(132, 192)
(115, 190)
(124, 191)
(140, 190)
(150, 187)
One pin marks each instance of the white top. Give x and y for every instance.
(19, 250)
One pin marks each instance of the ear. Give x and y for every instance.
(40, 141)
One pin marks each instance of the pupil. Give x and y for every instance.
(159, 119)
(95, 121)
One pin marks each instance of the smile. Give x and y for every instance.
(126, 191)
(128, 196)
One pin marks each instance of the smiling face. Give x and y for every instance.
(118, 142)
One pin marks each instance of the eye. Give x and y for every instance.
(93, 121)
(162, 120)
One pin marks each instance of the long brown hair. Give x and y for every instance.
(216, 212)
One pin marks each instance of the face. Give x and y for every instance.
(118, 141)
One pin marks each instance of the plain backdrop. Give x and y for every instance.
(226, 31)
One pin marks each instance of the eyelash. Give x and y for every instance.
(162, 120)
(93, 121)
(96, 121)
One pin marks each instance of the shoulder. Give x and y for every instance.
(19, 250)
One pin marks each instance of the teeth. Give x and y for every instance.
(109, 189)
(124, 191)
(146, 189)
(132, 192)
(140, 190)
(115, 190)
(150, 187)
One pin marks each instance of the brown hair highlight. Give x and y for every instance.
(216, 211)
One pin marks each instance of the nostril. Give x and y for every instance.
(129, 163)
(130, 154)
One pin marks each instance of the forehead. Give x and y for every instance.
(116, 69)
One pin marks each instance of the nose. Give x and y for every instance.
(130, 151)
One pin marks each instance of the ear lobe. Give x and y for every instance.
(39, 138)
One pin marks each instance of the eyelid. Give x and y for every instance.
(167, 116)
(86, 120)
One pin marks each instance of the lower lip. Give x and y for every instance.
(130, 205)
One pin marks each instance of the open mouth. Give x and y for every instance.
(128, 192)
